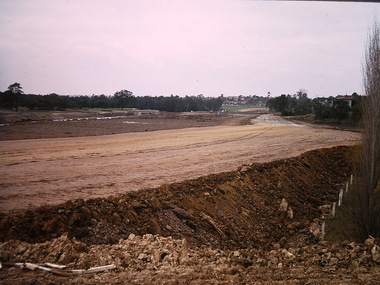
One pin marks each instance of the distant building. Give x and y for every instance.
(246, 100)
(331, 101)
(347, 98)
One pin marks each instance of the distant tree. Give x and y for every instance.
(30, 101)
(287, 105)
(318, 108)
(278, 104)
(356, 111)
(15, 88)
(123, 99)
(303, 104)
(214, 104)
(100, 101)
(11, 98)
(301, 93)
(341, 110)
(292, 101)
(82, 102)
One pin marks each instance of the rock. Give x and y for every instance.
(375, 253)
(143, 256)
(315, 229)
(290, 213)
(131, 237)
(153, 259)
(287, 254)
(283, 205)
(148, 236)
(352, 245)
(369, 242)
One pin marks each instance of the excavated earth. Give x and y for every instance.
(226, 228)
(258, 224)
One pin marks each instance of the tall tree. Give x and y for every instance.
(11, 97)
(366, 204)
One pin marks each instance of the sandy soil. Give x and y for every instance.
(50, 171)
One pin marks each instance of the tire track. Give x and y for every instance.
(206, 144)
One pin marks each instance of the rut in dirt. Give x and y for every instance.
(236, 209)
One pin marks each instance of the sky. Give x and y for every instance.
(209, 47)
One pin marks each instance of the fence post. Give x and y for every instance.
(333, 209)
(340, 197)
(323, 230)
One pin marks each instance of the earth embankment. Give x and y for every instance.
(246, 212)
(235, 209)
(227, 228)
(50, 171)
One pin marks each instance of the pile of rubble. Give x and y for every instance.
(152, 259)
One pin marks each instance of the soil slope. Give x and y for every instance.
(232, 209)
(222, 228)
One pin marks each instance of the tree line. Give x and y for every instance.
(335, 109)
(14, 97)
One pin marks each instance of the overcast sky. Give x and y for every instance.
(183, 47)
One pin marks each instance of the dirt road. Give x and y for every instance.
(49, 171)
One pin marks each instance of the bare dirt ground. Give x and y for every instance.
(209, 213)
(50, 171)
(32, 125)
(226, 228)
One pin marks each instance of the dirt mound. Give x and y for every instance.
(152, 259)
(235, 209)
